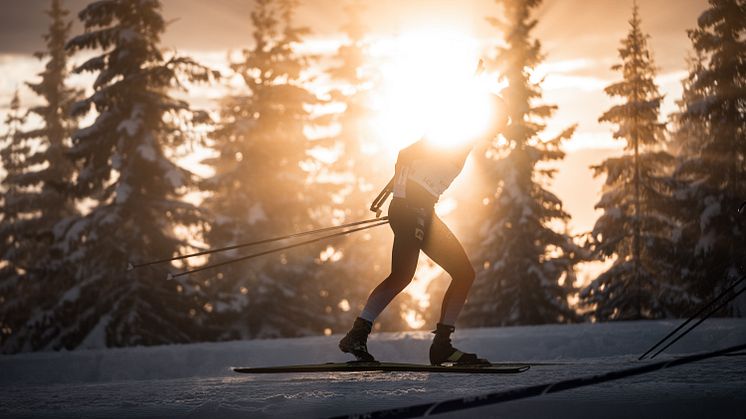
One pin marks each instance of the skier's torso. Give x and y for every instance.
(424, 172)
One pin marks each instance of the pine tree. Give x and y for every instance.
(710, 168)
(260, 187)
(55, 179)
(14, 154)
(526, 269)
(47, 198)
(15, 261)
(686, 131)
(685, 137)
(136, 189)
(634, 228)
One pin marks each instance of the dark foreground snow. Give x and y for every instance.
(195, 380)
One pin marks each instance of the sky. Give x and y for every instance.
(580, 39)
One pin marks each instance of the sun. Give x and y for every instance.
(429, 89)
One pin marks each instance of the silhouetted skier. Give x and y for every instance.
(423, 172)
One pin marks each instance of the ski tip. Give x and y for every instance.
(169, 276)
(130, 266)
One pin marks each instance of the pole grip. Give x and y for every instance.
(381, 198)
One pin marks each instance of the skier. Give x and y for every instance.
(422, 173)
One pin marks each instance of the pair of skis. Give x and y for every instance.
(376, 366)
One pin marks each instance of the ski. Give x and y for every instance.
(358, 366)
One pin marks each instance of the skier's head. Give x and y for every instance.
(497, 119)
(480, 116)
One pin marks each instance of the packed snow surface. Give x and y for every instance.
(196, 380)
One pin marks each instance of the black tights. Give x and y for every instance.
(418, 229)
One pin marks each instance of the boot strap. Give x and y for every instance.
(455, 356)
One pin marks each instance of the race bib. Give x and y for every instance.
(434, 178)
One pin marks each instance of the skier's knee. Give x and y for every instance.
(405, 280)
(400, 280)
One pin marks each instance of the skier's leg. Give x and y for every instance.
(404, 255)
(444, 249)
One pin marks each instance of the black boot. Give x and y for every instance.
(356, 340)
(441, 351)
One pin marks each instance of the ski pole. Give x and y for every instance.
(132, 266)
(266, 252)
(741, 210)
(693, 316)
(381, 198)
(702, 319)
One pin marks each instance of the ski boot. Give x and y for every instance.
(355, 341)
(442, 352)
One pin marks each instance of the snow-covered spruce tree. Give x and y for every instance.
(711, 166)
(15, 261)
(261, 190)
(526, 269)
(686, 131)
(136, 189)
(635, 227)
(44, 190)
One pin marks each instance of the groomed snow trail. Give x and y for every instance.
(196, 381)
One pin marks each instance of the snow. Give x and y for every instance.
(676, 234)
(256, 214)
(74, 232)
(705, 243)
(133, 124)
(712, 210)
(615, 213)
(116, 161)
(130, 126)
(71, 295)
(127, 35)
(147, 152)
(174, 178)
(123, 193)
(97, 337)
(195, 380)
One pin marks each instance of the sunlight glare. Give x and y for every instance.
(429, 88)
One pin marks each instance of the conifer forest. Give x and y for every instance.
(134, 133)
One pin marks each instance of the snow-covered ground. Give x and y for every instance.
(196, 381)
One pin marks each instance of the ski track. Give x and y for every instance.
(195, 380)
